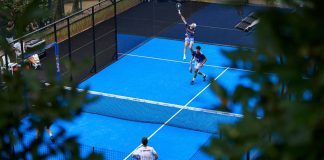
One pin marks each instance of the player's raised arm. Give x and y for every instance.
(183, 19)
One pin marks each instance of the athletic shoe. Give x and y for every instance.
(204, 77)
(192, 82)
(52, 139)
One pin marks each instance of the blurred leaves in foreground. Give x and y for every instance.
(26, 104)
(287, 66)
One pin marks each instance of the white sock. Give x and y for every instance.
(193, 79)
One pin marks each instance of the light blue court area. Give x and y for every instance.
(117, 138)
(155, 72)
(120, 136)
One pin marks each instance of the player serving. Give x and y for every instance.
(200, 61)
(190, 35)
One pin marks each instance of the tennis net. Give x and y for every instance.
(141, 110)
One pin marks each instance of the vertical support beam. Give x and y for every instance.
(81, 5)
(55, 33)
(94, 40)
(69, 44)
(115, 20)
(62, 8)
(49, 5)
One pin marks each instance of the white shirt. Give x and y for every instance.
(145, 153)
(17, 45)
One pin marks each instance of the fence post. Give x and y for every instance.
(55, 34)
(69, 44)
(94, 40)
(115, 20)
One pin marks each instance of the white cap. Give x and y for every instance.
(193, 25)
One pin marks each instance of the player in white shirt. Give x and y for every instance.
(190, 35)
(145, 152)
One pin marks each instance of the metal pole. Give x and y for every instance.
(94, 40)
(81, 4)
(69, 45)
(57, 61)
(115, 19)
(55, 34)
(49, 3)
(62, 8)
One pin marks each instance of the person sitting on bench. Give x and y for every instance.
(33, 60)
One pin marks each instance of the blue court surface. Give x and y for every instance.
(156, 72)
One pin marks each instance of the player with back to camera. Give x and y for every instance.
(190, 35)
(145, 152)
(200, 61)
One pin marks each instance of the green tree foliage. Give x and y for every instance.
(27, 104)
(288, 62)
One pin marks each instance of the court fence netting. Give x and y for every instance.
(85, 151)
(94, 36)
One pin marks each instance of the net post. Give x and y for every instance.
(57, 61)
(69, 44)
(94, 40)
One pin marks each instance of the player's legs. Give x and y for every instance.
(185, 48)
(204, 75)
(194, 77)
(197, 66)
(196, 71)
(191, 43)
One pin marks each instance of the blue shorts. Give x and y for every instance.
(190, 40)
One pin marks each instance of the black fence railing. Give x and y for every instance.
(87, 37)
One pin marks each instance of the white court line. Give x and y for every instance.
(178, 112)
(170, 60)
